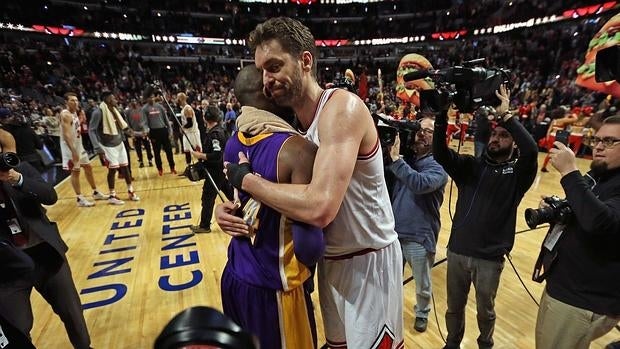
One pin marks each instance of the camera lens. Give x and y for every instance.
(535, 217)
(8, 161)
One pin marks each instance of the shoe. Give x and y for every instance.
(113, 200)
(160, 172)
(173, 171)
(196, 229)
(133, 196)
(150, 163)
(420, 324)
(82, 202)
(98, 196)
(544, 169)
(141, 165)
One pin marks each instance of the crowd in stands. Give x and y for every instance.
(235, 20)
(35, 74)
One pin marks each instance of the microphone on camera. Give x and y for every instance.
(419, 74)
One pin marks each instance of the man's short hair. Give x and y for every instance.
(70, 94)
(212, 114)
(294, 37)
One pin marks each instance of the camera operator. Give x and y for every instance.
(417, 196)
(581, 301)
(490, 189)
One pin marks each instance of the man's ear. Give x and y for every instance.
(307, 61)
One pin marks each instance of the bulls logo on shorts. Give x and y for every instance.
(385, 340)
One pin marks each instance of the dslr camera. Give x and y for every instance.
(467, 86)
(558, 211)
(8, 161)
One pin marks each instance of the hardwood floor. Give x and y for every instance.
(138, 265)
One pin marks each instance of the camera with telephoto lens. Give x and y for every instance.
(558, 211)
(8, 161)
(467, 86)
(405, 129)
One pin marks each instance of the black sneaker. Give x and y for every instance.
(196, 229)
(150, 163)
(420, 324)
(141, 165)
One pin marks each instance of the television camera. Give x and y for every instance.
(467, 86)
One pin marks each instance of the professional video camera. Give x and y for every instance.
(607, 67)
(558, 211)
(468, 86)
(406, 130)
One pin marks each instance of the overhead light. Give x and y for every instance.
(158, 14)
(125, 15)
(86, 8)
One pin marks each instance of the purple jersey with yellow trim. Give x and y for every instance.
(267, 259)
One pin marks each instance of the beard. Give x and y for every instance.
(293, 91)
(498, 152)
(599, 167)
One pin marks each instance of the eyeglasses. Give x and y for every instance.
(608, 142)
(427, 131)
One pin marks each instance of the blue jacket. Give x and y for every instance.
(417, 197)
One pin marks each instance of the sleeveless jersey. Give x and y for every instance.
(267, 259)
(365, 219)
(75, 131)
(194, 128)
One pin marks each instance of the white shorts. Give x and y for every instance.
(194, 138)
(362, 299)
(116, 156)
(67, 158)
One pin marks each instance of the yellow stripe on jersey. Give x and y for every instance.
(292, 271)
(295, 329)
(248, 141)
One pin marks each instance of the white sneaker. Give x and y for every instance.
(99, 196)
(113, 200)
(133, 196)
(82, 202)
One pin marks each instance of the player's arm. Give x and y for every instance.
(66, 121)
(344, 122)
(188, 114)
(295, 162)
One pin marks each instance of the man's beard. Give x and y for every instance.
(292, 93)
(499, 152)
(598, 167)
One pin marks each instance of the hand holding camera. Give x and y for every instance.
(563, 158)
(395, 149)
(11, 176)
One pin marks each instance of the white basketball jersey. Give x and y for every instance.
(75, 128)
(365, 219)
(194, 128)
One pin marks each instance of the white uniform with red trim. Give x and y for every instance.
(360, 278)
(65, 151)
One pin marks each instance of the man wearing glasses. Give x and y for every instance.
(581, 301)
(417, 196)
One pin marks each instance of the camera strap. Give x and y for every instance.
(548, 253)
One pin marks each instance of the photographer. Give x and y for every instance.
(581, 301)
(35, 243)
(417, 197)
(490, 189)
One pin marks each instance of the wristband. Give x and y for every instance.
(236, 172)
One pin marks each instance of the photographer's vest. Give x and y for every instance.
(365, 221)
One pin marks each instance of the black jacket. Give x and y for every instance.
(489, 193)
(213, 146)
(26, 202)
(586, 273)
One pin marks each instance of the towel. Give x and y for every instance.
(256, 121)
(108, 119)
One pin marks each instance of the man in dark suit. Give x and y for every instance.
(24, 225)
